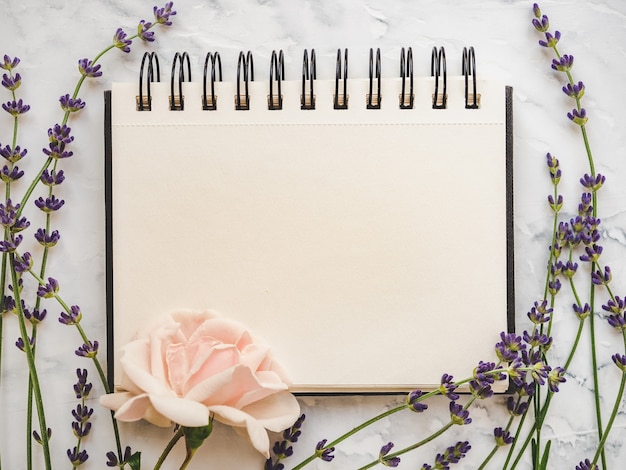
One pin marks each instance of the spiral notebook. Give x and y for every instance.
(360, 226)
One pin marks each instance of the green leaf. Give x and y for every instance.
(546, 455)
(135, 461)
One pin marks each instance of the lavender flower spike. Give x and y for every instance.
(586, 465)
(8, 63)
(120, 41)
(88, 349)
(88, 69)
(162, 15)
(578, 117)
(143, 32)
(325, 454)
(77, 457)
(15, 108)
(72, 318)
(620, 361)
(388, 461)
(458, 415)
(11, 83)
(71, 105)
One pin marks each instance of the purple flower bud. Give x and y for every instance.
(36, 315)
(388, 461)
(557, 205)
(480, 390)
(564, 63)
(10, 174)
(13, 155)
(592, 253)
(599, 279)
(11, 83)
(52, 178)
(120, 41)
(37, 437)
(448, 387)
(616, 306)
(617, 321)
(82, 413)
(593, 183)
(586, 465)
(60, 134)
(541, 24)
(502, 437)
(81, 429)
(458, 415)
(73, 317)
(322, 452)
(49, 290)
(555, 378)
(15, 108)
(77, 457)
(578, 117)
(162, 15)
(21, 345)
(23, 263)
(47, 239)
(50, 204)
(620, 361)
(8, 63)
(71, 105)
(551, 40)
(82, 387)
(143, 31)
(576, 91)
(88, 349)
(539, 313)
(88, 69)
(413, 401)
(582, 312)
(10, 245)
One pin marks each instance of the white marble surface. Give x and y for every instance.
(51, 37)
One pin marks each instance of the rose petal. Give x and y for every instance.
(245, 425)
(275, 412)
(184, 412)
(113, 401)
(135, 365)
(133, 409)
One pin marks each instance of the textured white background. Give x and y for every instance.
(50, 38)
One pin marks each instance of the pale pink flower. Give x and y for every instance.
(192, 364)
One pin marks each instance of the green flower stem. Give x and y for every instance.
(616, 405)
(355, 430)
(30, 358)
(592, 332)
(424, 441)
(168, 448)
(518, 433)
(389, 412)
(496, 446)
(95, 360)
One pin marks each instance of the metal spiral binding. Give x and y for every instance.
(177, 102)
(277, 71)
(144, 103)
(438, 70)
(341, 101)
(468, 67)
(406, 70)
(308, 73)
(374, 99)
(210, 103)
(245, 62)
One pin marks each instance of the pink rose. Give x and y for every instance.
(192, 364)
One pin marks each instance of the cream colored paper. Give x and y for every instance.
(368, 247)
